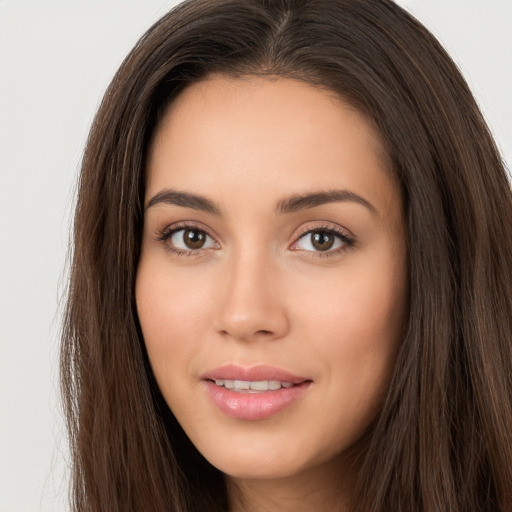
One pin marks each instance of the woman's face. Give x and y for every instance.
(272, 284)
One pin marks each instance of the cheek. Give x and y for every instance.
(355, 326)
(361, 335)
(170, 312)
(359, 306)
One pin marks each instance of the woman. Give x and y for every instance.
(291, 284)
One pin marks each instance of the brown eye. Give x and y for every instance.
(322, 240)
(189, 239)
(193, 238)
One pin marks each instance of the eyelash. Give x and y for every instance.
(347, 241)
(165, 234)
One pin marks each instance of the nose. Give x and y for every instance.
(252, 305)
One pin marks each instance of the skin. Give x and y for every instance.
(259, 292)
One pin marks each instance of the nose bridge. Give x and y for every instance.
(252, 304)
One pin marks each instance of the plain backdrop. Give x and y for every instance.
(56, 59)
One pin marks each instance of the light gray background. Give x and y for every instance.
(56, 58)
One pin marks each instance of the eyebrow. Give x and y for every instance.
(289, 205)
(185, 199)
(306, 201)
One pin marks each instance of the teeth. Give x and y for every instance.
(255, 386)
(242, 384)
(274, 384)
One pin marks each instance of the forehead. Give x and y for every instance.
(267, 135)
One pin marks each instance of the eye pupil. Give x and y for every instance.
(193, 238)
(322, 241)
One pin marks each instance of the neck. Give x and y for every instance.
(322, 488)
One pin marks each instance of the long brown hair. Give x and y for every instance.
(443, 439)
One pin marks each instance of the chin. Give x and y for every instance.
(262, 460)
(255, 469)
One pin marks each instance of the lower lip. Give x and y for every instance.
(254, 406)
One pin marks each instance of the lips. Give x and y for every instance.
(254, 393)
(253, 373)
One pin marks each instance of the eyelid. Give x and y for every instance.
(163, 235)
(344, 234)
(322, 225)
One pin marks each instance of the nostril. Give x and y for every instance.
(246, 321)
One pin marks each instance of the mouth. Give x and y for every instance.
(258, 377)
(254, 393)
(254, 386)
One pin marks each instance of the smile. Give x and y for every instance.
(254, 393)
(257, 386)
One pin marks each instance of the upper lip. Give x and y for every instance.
(253, 373)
